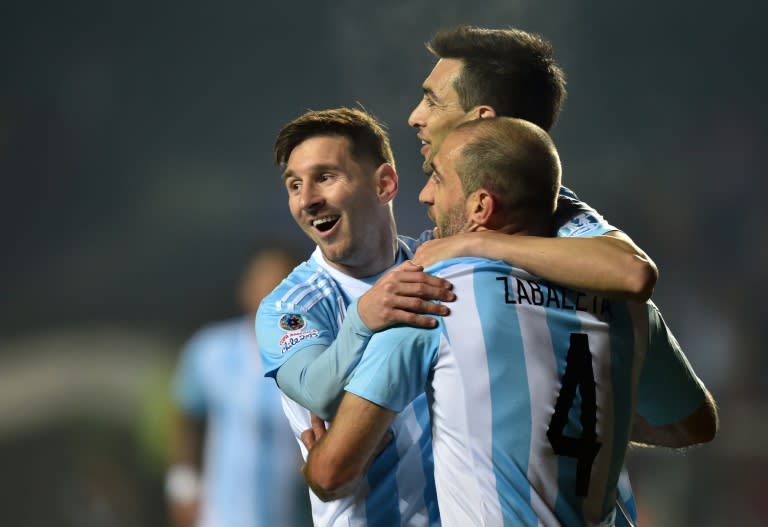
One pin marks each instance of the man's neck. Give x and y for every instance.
(373, 264)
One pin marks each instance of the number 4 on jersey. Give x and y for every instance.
(578, 374)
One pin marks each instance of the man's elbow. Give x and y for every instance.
(641, 277)
(708, 422)
(329, 482)
(701, 427)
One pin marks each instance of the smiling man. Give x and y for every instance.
(484, 72)
(340, 177)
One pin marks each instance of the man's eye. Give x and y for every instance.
(294, 186)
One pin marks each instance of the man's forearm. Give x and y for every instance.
(699, 427)
(339, 459)
(610, 264)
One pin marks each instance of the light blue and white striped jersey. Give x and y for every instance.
(307, 309)
(532, 388)
(251, 467)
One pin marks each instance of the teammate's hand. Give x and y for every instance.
(403, 296)
(312, 435)
(433, 251)
(467, 243)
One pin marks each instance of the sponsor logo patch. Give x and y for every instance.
(292, 322)
(289, 340)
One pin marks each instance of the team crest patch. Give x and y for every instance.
(292, 322)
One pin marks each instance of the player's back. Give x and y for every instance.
(533, 389)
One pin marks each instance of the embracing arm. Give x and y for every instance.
(341, 456)
(699, 427)
(610, 263)
(674, 408)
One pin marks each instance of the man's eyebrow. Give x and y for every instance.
(428, 92)
(316, 169)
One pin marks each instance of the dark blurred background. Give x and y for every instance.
(135, 157)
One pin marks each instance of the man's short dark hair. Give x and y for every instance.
(509, 69)
(369, 140)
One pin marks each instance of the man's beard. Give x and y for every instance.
(453, 222)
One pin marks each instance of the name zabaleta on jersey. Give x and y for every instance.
(519, 291)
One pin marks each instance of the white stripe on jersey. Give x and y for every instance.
(451, 372)
(539, 362)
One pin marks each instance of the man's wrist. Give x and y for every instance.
(356, 322)
(182, 483)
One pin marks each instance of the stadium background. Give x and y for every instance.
(136, 174)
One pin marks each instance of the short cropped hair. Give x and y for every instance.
(368, 138)
(509, 69)
(516, 161)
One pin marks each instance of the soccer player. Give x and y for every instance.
(481, 73)
(340, 178)
(509, 72)
(532, 386)
(231, 451)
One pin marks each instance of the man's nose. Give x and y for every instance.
(427, 195)
(309, 198)
(416, 119)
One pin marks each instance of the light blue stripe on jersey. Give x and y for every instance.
(623, 354)
(421, 408)
(384, 506)
(506, 438)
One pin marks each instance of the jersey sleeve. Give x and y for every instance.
(395, 366)
(284, 328)
(315, 376)
(573, 217)
(188, 388)
(669, 390)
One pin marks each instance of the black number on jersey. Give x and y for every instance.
(578, 374)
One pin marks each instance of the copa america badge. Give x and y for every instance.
(292, 322)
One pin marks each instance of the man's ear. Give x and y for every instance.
(481, 207)
(386, 182)
(485, 111)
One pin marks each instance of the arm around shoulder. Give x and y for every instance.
(610, 264)
(699, 427)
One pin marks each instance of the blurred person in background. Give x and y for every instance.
(233, 461)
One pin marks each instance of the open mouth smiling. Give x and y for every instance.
(325, 223)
